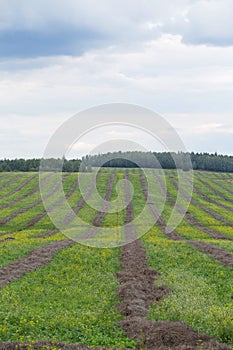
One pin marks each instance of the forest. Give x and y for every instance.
(165, 160)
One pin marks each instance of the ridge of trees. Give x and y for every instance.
(166, 160)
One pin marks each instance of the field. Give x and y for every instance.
(166, 290)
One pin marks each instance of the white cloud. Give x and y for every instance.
(191, 84)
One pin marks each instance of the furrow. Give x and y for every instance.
(40, 216)
(11, 181)
(19, 187)
(36, 259)
(26, 195)
(23, 210)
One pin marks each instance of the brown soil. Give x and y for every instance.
(48, 345)
(209, 200)
(19, 187)
(172, 235)
(138, 292)
(4, 176)
(36, 259)
(10, 181)
(220, 184)
(81, 203)
(207, 210)
(192, 221)
(7, 239)
(221, 255)
(212, 189)
(36, 189)
(23, 210)
(101, 215)
(36, 219)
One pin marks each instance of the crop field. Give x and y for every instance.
(164, 290)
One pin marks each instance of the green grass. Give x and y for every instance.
(201, 289)
(73, 299)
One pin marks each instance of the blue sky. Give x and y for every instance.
(58, 58)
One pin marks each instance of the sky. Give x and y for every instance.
(58, 58)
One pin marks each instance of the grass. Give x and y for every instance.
(73, 298)
(201, 289)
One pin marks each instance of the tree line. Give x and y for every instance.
(165, 160)
(27, 165)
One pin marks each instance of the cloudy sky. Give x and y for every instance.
(58, 58)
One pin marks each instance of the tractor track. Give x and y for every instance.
(137, 292)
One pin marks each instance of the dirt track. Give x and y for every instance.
(36, 219)
(26, 195)
(36, 259)
(18, 188)
(138, 292)
(11, 181)
(34, 204)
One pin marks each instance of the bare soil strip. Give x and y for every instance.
(26, 195)
(23, 210)
(138, 292)
(79, 206)
(101, 215)
(220, 184)
(209, 200)
(221, 255)
(192, 221)
(81, 203)
(10, 181)
(172, 235)
(207, 210)
(36, 259)
(50, 345)
(40, 216)
(216, 192)
(4, 176)
(19, 187)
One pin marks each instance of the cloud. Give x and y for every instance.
(169, 56)
(41, 28)
(204, 22)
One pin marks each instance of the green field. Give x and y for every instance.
(72, 296)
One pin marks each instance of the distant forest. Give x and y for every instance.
(199, 161)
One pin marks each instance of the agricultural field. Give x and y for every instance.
(166, 290)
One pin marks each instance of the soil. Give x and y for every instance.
(212, 189)
(192, 221)
(207, 210)
(36, 189)
(48, 345)
(10, 181)
(19, 187)
(172, 235)
(137, 291)
(81, 203)
(36, 259)
(101, 215)
(23, 210)
(221, 255)
(59, 202)
(220, 184)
